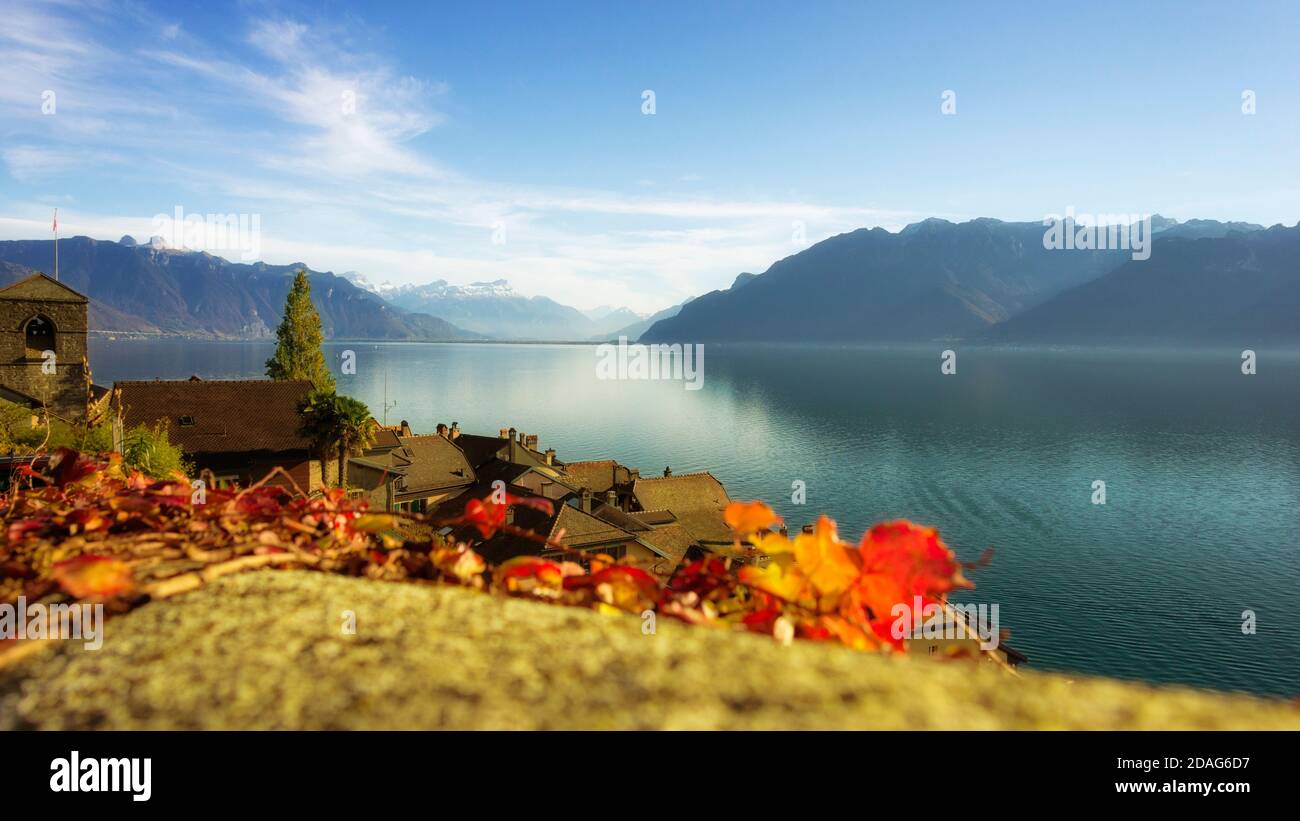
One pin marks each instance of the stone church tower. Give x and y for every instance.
(43, 359)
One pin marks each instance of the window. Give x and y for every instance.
(40, 336)
(186, 421)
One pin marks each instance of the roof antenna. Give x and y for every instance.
(387, 406)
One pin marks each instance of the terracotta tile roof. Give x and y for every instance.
(593, 531)
(221, 416)
(655, 518)
(598, 476)
(583, 530)
(619, 518)
(435, 464)
(479, 449)
(385, 438)
(672, 541)
(696, 499)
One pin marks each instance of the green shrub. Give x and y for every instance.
(150, 451)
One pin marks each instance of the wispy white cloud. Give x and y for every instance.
(332, 149)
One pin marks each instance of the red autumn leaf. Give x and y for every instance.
(915, 557)
(701, 577)
(68, 466)
(93, 576)
(489, 516)
(623, 574)
(530, 574)
(18, 530)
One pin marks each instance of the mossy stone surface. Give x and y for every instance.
(268, 650)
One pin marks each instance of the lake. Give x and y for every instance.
(1201, 466)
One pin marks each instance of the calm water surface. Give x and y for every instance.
(1201, 464)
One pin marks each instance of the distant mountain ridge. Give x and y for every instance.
(983, 279)
(1239, 287)
(932, 279)
(497, 310)
(153, 289)
(988, 279)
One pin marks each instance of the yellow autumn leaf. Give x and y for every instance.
(781, 577)
(825, 560)
(374, 522)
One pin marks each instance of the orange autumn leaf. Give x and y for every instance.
(459, 562)
(93, 576)
(850, 634)
(874, 595)
(825, 560)
(750, 517)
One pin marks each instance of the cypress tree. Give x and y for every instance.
(298, 352)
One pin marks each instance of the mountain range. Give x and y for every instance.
(987, 279)
(984, 279)
(156, 290)
(495, 309)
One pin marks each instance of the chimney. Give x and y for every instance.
(455, 431)
(505, 433)
(550, 456)
(406, 428)
(442, 429)
(668, 472)
(530, 441)
(586, 500)
(611, 498)
(511, 452)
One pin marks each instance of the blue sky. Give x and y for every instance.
(507, 140)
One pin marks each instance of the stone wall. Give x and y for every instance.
(65, 390)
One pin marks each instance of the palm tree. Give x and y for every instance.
(334, 422)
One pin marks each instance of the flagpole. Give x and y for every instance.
(56, 245)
